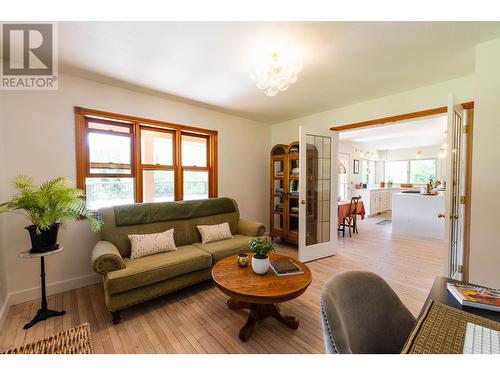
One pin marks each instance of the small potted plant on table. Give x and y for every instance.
(47, 206)
(261, 246)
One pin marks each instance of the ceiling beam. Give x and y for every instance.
(402, 117)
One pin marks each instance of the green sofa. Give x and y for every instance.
(128, 282)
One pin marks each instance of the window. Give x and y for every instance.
(417, 171)
(396, 171)
(194, 166)
(342, 168)
(369, 170)
(422, 170)
(122, 159)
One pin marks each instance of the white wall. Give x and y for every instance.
(485, 233)
(40, 142)
(3, 267)
(405, 102)
(353, 149)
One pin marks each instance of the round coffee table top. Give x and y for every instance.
(242, 284)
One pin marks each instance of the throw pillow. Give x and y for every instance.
(211, 233)
(148, 244)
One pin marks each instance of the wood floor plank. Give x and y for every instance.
(197, 319)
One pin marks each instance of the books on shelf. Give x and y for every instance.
(475, 296)
(285, 266)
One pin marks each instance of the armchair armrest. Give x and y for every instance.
(106, 258)
(250, 228)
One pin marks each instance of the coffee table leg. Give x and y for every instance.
(252, 319)
(238, 305)
(290, 321)
(258, 312)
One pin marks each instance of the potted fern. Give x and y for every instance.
(47, 206)
(261, 246)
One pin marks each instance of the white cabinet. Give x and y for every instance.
(377, 200)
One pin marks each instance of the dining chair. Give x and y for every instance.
(362, 314)
(350, 220)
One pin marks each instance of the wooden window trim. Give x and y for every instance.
(85, 115)
(89, 165)
(207, 168)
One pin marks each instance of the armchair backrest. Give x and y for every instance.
(362, 314)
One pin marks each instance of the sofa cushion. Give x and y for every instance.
(224, 248)
(143, 245)
(158, 267)
(193, 234)
(213, 233)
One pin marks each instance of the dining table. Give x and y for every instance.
(343, 210)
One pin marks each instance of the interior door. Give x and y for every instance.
(455, 178)
(318, 185)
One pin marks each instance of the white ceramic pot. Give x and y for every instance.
(260, 266)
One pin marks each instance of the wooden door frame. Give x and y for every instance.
(469, 106)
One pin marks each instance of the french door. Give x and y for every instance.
(318, 185)
(455, 190)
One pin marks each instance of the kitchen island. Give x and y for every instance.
(417, 215)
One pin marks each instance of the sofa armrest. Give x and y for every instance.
(106, 258)
(250, 228)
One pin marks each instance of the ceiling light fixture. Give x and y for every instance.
(275, 71)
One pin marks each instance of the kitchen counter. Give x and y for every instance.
(417, 215)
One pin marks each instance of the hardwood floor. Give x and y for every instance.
(197, 320)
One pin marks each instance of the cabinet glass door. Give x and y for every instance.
(292, 204)
(279, 192)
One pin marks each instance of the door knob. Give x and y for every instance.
(441, 216)
(303, 201)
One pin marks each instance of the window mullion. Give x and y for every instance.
(136, 133)
(178, 166)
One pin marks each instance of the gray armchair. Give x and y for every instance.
(362, 314)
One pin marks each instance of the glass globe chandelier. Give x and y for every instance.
(275, 72)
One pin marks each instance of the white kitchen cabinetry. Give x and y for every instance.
(377, 200)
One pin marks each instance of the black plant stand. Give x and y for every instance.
(43, 313)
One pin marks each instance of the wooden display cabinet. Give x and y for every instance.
(284, 192)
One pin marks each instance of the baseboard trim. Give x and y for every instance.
(53, 288)
(3, 311)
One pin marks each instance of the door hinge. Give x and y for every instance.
(462, 199)
(460, 268)
(466, 129)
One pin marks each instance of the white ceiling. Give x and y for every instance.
(204, 62)
(429, 131)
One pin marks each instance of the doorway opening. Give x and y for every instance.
(412, 174)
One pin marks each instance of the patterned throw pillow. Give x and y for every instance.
(211, 233)
(149, 244)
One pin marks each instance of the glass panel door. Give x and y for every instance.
(454, 215)
(318, 203)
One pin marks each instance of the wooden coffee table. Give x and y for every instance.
(259, 293)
